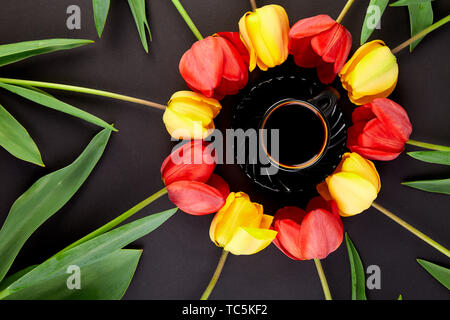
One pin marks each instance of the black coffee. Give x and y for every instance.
(301, 133)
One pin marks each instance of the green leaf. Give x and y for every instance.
(16, 276)
(105, 279)
(401, 3)
(10, 53)
(420, 17)
(101, 8)
(88, 253)
(16, 140)
(438, 157)
(53, 103)
(44, 198)
(140, 17)
(438, 185)
(357, 271)
(441, 274)
(373, 17)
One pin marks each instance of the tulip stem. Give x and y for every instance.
(39, 84)
(253, 4)
(344, 11)
(411, 229)
(215, 276)
(428, 145)
(421, 34)
(187, 19)
(141, 205)
(323, 280)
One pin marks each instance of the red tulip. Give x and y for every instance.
(380, 130)
(214, 66)
(235, 39)
(190, 182)
(310, 234)
(322, 43)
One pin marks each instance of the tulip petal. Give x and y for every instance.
(356, 164)
(194, 197)
(376, 135)
(374, 154)
(321, 233)
(357, 56)
(181, 127)
(240, 212)
(363, 113)
(213, 104)
(304, 55)
(311, 26)
(287, 222)
(352, 193)
(266, 221)
(236, 41)
(393, 117)
(322, 189)
(220, 184)
(202, 66)
(246, 241)
(375, 72)
(192, 161)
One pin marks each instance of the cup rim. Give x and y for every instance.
(316, 111)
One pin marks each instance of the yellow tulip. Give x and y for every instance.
(240, 227)
(354, 185)
(189, 115)
(371, 73)
(265, 33)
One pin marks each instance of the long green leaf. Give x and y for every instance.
(16, 139)
(105, 279)
(101, 8)
(53, 103)
(357, 271)
(10, 53)
(441, 274)
(88, 252)
(140, 17)
(438, 185)
(367, 30)
(438, 157)
(44, 198)
(14, 277)
(401, 3)
(420, 17)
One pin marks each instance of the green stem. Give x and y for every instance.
(411, 229)
(65, 87)
(323, 280)
(118, 220)
(187, 19)
(428, 145)
(344, 11)
(421, 34)
(215, 276)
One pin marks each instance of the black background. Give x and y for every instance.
(179, 258)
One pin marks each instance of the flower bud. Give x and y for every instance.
(380, 130)
(310, 234)
(265, 33)
(214, 66)
(240, 227)
(322, 43)
(371, 73)
(354, 185)
(189, 115)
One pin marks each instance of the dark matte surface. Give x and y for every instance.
(179, 258)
